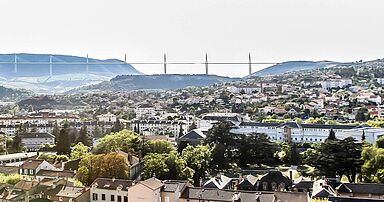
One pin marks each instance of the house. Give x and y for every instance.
(144, 111)
(73, 194)
(172, 190)
(248, 183)
(193, 137)
(33, 166)
(219, 182)
(104, 189)
(146, 191)
(198, 194)
(273, 181)
(361, 190)
(303, 186)
(33, 141)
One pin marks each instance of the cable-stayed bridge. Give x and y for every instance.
(87, 63)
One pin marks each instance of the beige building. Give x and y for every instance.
(146, 191)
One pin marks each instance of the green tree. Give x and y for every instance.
(373, 157)
(165, 166)
(84, 137)
(158, 146)
(337, 157)
(198, 158)
(362, 114)
(79, 151)
(256, 149)
(17, 144)
(97, 132)
(124, 140)
(63, 145)
(111, 165)
(117, 126)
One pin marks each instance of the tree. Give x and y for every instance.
(220, 134)
(380, 142)
(117, 126)
(111, 165)
(73, 134)
(198, 158)
(17, 144)
(84, 137)
(158, 146)
(124, 140)
(193, 126)
(362, 115)
(363, 136)
(181, 131)
(166, 166)
(255, 149)
(332, 135)
(373, 157)
(97, 132)
(219, 159)
(337, 157)
(79, 151)
(63, 145)
(56, 131)
(289, 155)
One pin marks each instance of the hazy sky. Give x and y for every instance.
(272, 30)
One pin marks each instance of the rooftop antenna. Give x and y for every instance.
(15, 63)
(165, 63)
(50, 65)
(250, 63)
(206, 63)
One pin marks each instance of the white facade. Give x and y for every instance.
(107, 118)
(145, 111)
(335, 83)
(160, 127)
(33, 141)
(105, 194)
(309, 132)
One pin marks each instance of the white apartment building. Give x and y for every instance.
(160, 127)
(335, 83)
(106, 118)
(292, 131)
(144, 111)
(33, 141)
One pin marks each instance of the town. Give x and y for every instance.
(313, 135)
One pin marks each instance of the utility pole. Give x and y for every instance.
(165, 63)
(206, 63)
(125, 58)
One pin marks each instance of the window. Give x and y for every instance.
(273, 185)
(94, 197)
(60, 198)
(166, 199)
(125, 198)
(265, 185)
(119, 198)
(112, 197)
(103, 197)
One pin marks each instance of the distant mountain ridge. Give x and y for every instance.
(291, 66)
(159, 81)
